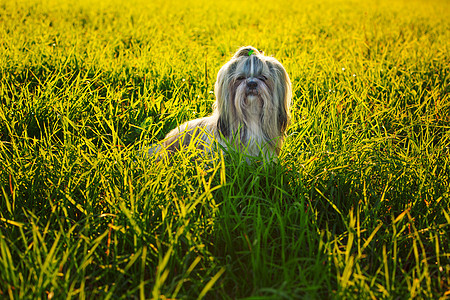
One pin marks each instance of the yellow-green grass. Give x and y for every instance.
(357, 205)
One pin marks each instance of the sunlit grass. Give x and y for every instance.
(357, 205)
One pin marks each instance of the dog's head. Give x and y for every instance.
(253, 84)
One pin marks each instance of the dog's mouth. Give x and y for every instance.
(251, 92)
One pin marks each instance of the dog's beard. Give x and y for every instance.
(249, 102)
(252, 108)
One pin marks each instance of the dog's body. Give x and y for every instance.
(251, 112)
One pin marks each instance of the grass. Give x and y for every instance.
(358, 205)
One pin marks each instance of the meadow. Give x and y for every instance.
(356, 207)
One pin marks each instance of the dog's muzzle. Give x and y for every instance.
(252, 87)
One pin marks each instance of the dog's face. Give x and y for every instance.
(252, 86)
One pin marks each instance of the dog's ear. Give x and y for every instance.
(223, 103)
(222, 126)
(246, 51)
(283, 91)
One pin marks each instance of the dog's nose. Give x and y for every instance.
(252, 84)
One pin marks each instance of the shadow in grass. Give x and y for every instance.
(265, 234)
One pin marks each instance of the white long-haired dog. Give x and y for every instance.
(253, 94)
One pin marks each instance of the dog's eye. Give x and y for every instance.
(263, 78)
(241, 78)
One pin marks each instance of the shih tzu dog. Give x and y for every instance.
(251, 112)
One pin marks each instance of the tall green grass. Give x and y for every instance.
(357, 205)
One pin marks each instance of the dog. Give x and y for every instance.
(251, 112)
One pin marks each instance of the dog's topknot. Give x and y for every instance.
(246, 51)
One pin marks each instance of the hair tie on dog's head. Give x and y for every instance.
(250, 52)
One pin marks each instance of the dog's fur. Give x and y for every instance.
(251, 112)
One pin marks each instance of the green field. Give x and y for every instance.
(357, 206)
